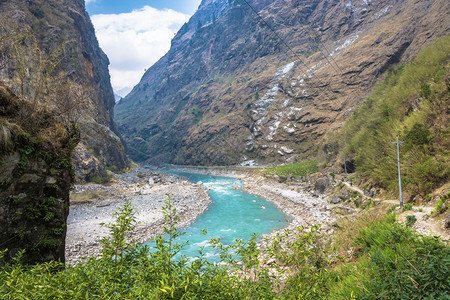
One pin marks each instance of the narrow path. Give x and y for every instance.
(355, 188)
(423, 224)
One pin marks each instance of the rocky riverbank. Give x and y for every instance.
(93, 204)
(305, 206)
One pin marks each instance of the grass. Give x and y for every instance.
(410, 103)
(300, 169)
(88, 196)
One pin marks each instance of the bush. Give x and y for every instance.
(407, 206)
(396, 263)
(410, 220)
(441, 205)
(390, 261)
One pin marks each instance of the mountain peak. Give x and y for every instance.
(240, 85)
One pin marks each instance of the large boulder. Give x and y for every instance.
(322, 184)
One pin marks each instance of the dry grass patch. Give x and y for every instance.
(85, 197)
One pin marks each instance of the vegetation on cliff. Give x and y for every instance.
(411, 103)
(387, 260)
(50, 56)
(35, 178)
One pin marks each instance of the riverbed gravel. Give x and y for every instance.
(93, 204)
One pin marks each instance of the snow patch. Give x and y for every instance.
(248, 163)
(381, 12)
(346, 44)
(287, 150)
(282, 73)
(289, 129)
(273, 130)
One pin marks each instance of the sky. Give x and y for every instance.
(136, 33)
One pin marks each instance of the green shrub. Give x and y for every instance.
(390, 261)
(441, 205)
(395, 263)
(407, 206)
(100, 179)
(410, 220)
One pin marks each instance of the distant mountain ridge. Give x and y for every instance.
(230, 91)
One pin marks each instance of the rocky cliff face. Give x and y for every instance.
(35, 179)
(231, 91)
(50, 55)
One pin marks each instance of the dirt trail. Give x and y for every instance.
(424, 224)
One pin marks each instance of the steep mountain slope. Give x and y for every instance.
(230, 90)
(50, 56)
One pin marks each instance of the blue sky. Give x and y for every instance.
(136, 33)
(123, 6)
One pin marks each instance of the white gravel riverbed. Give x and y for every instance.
(94, 204)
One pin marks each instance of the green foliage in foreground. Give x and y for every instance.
(412, 103)
(300, 169)
(392, 262)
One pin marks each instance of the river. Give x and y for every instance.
(233, 214)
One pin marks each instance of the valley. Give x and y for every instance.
(262, 157)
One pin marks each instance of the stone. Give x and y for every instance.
(447, 221)
(9, 164)
(344, 194)
(322, 184)
(335, 199)
(50, 180)
(282, 178)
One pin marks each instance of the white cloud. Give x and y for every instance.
(134, 41)
(89, 1)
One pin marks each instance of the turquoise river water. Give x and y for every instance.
(233, 214)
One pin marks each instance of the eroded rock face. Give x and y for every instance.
(61, 31)
(447, 222)
(227, 93)
(88, 165)
(35, 180)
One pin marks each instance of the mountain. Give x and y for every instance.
(117, 97)
(265, 81)
(50, 56)
(56, 109)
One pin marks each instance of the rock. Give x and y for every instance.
(33, 205)
(447, 221)
(322, 184)
(344, 194)
(88, 165)
(85, 62)
(335, 199)
(282, 179)
(195, 135)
